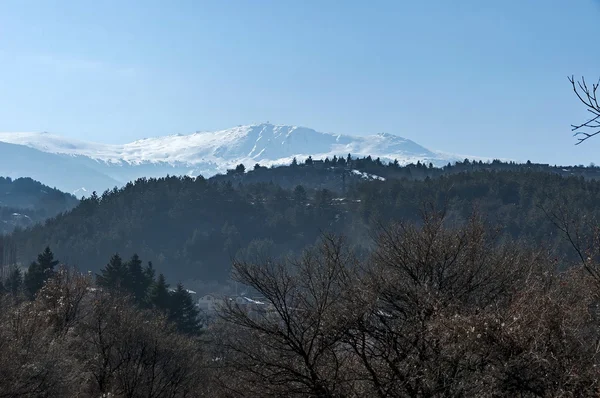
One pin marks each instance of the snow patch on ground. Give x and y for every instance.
(367, 175)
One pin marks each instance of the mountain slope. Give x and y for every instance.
(55, 170)
(24, 202)
(190, 228)
(209, 153)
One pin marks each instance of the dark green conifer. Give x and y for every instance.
(183, 311)
(159, 294)
(14, 281)
(114, 274)
(39, 271)
(135, 282)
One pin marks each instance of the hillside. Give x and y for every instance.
(98, 166)
(191, 228)
(339, 173)
(24, 202)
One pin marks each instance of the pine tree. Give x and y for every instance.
(300, 195)
(46, 259)
(14, 280)
(183, 311)
(135, 282)
(149, 274)
(159, 294)
(38, 272)
(240, 168)
(34, 279)
(148, 283)
(114, 275)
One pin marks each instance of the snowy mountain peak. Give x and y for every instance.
(211, 152)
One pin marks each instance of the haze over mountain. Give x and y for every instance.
(81, 167)
(24, 202)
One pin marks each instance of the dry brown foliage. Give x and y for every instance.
(76, 341)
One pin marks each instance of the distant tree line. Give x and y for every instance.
(329, 173)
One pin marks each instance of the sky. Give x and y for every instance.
(472, 77)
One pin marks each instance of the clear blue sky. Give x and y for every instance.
(474, 77)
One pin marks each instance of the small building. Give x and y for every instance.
(209, 303)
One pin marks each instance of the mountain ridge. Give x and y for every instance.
(209, 153)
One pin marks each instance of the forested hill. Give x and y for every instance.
(24, 202)
(338, 173)
(191, 227)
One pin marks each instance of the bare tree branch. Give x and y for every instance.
(588, 96)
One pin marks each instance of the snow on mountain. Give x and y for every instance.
(80, 192)
(55, 170)
(209, 153)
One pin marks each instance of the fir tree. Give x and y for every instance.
(300, 195)
(183, 311)
(240, 168)
(46, 259)
(114, 275)
(135, 282)
(149, 274)
(38, 272)
(14, 280)
(159, 294)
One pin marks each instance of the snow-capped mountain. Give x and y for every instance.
(87, 166)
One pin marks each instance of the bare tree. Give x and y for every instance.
(581, 231)
(132, 353)
(437, 311)
(423, 280)
(292, 347)
(588, 96)
(32, 362)
(75, 340)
